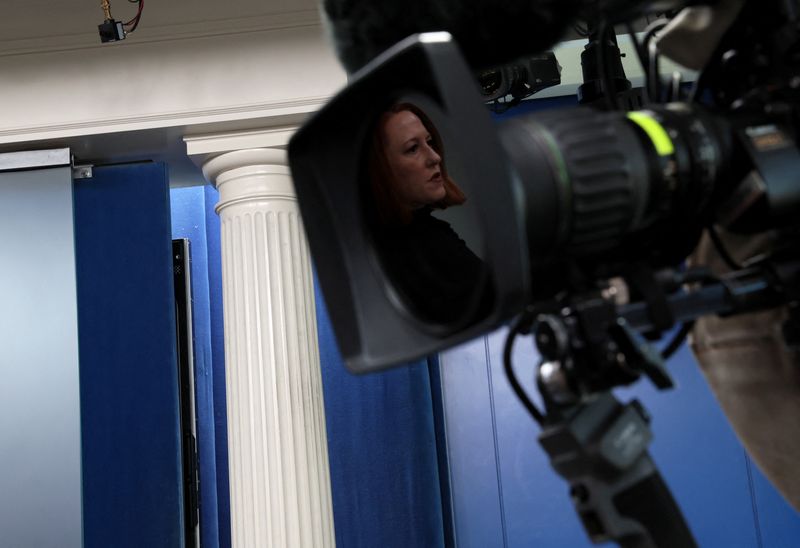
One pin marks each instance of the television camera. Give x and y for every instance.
(582, 218)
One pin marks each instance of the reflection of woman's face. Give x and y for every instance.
(414, 164)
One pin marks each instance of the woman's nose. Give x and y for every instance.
(433, 157)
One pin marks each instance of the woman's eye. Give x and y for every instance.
(412, 149)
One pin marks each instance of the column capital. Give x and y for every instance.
(216, 166)
(250, 175)
(217, 153)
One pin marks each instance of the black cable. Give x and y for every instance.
(136, 18)
(675, 92)
(652, 75)
(608, 86)
(697, 88)
(641, 53)
(653, 28)
(677, 340)
(516, 329)
(722, 250)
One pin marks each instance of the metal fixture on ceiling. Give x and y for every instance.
(112, 30)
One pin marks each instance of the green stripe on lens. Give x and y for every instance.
(555, 151)
(562, 180)
(655, 131)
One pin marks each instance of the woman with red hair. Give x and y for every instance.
(406, 166)
(438, 276)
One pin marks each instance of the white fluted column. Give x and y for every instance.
(279, 474)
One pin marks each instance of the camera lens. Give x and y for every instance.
(600, 185)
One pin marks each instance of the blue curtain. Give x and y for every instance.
(382, 450)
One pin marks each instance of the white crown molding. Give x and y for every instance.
(199, 147)
(277, 110)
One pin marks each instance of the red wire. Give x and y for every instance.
(138, 16)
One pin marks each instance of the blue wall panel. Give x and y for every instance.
(211, 197)
(477, 501)
(132, 483)
(779, 523)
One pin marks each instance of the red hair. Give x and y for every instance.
(389, 209)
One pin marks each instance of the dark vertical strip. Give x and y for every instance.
(443, 463)
(496, 443)
(214, 247)
(131, 447)
(751, 488)
(183, 318)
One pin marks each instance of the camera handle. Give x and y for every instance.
(598, 444)
(600, 448)
(595, 442)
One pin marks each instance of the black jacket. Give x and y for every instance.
(432, 269)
